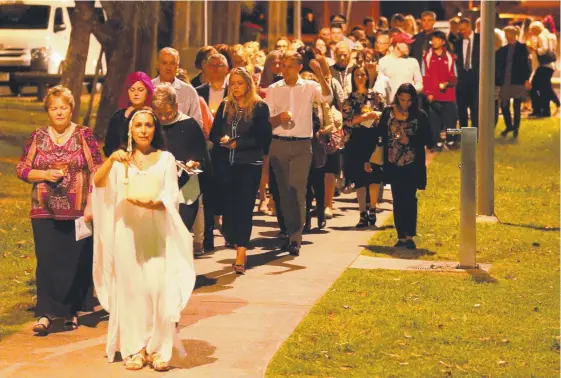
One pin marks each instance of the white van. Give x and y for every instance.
(35, 34)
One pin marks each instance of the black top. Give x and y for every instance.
(186, 141)
(419, 136)
(420, 45)
(521, 69)
(254, 136)
(117, 132)
(196, 81)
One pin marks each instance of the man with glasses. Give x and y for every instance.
(187, 97)
(382, 45)
(216, 89)
(340, 70)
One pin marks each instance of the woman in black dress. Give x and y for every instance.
(136, 94)
(240, 133)
(405, 132)
(359, 117)
(186, 142)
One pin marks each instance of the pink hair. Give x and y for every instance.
(549, 24)
(124, 101)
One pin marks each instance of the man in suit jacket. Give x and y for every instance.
(216, 89)
(467, 63)
(512, 75)
(213, 93)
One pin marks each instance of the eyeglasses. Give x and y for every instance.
(216, 66)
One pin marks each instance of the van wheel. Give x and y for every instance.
(16, 89)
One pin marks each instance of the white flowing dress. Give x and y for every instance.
(143, 267)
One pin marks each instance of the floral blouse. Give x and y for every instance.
(67, 198)
(400, 154)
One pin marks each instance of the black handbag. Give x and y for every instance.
(547, 58)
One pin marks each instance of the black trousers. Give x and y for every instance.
(442, 116)
(316, 189)
(239, 192)
(467, 97)
(404, 208)
(274, 189)
(542, 92)
(505, 107)
(188, 213)
(64, 268)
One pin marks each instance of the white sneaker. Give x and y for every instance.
(328, 213)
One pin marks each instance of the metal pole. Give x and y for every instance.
(485, 175)
(205, 16)
(467, 198)
(297, 19)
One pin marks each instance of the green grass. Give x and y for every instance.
(413, 324)
(18, 118)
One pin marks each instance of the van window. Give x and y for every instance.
(22, 16)
(59, 20)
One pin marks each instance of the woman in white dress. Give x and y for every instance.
(143, 261)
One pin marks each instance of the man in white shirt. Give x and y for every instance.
(187, 97)
(398, 68)
(290, 104)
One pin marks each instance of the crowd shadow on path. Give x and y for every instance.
(532, 226)
(399, 253)
(274, 255)
(353, 228)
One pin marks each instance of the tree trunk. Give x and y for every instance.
(119, 66)
(147, 37)
(77, 55)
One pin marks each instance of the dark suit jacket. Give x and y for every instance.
(463, 75)
(521, 69)
(204, 91)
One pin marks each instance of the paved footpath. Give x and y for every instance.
(232, 326)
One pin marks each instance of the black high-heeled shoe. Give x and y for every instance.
(372, 217)
(363, 221)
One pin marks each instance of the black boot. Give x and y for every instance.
(372, 217)
(363, 222)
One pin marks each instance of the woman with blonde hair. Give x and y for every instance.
(59, 161)
(410, 25)
(240, 133)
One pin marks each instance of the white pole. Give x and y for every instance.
(467, 198)
(297, 19)
(206, 21)
(485, 175)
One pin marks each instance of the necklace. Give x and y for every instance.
(58, 137)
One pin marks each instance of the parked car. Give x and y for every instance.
(35, 35)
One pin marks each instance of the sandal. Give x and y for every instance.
(40, 328)
(136, 361)
(71, 323)
(157, 363)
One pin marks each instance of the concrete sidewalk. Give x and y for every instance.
(232, 325)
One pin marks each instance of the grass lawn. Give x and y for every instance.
(414, 324)
(18, 118)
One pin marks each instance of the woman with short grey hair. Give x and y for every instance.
(186, 141)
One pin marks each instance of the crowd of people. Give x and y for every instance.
(288, 128)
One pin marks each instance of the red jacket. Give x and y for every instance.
(439, 69)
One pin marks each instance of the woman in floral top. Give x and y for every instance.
(359, 116)
(59, 160)
(405, 132)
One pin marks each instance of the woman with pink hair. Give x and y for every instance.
(136, 94)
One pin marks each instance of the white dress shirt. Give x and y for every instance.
(298, 100)
(187, 99)
(215, 97)
(465, 47)
(392, 72)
